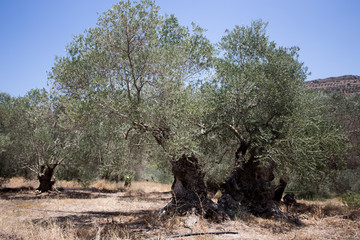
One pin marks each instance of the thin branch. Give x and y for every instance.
(127, 132)
(236, 132)
(113, 110)
(60, 161)
(200, 234)
(128, 53)
(31, 169)
(203, 131)
(39, 164)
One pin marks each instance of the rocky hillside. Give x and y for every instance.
(348, 84)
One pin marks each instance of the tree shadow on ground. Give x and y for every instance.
(90, 224)
(148, 197)
(25, 193)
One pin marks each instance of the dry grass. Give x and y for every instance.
(85, 213)
(67, 184)
(320, 209)
(150, 186)
(20, 182)
(106, 185)
(102, 184)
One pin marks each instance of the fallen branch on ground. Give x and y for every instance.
(199, 234)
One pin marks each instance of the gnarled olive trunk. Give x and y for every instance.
(46, 177)
(189, 190)
(249, 187)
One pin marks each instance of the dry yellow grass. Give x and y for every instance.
(20, 182)
(150, 186)
(84, 213)
(67, 184)
(103, 184)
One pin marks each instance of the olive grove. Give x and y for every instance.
(140, 87)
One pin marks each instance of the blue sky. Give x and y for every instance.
(33, 32)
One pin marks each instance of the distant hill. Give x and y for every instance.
(348, 84)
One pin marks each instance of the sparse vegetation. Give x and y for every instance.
(348, 84)
(351, 199)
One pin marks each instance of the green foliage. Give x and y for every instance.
(346, 112)
(347, 180)
(139, 90)
(5, 140)
(257, 102)
(254, 90)
(31, 125)
(351, 199)
(313, 147)
(5, 100)
(135, 68)
(255, 85)
(128, 178)
(157, 174)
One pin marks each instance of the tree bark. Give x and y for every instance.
(249, 187)
(46, 177)
(279, 190)
(189, 191)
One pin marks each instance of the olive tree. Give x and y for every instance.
(346, 111)
(254, 95)
(6, 113)
(313, 147)
(38, 143)
(141, 66)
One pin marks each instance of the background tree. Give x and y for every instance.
(6, 122)
(346, 111)
(313, 146)
(38, 142)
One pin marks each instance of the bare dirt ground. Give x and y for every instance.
(105, 211)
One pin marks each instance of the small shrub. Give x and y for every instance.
(128, 178)
(351, 199)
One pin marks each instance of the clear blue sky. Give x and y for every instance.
(33, 32)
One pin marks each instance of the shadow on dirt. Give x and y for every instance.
(15, 190)
(131, 224)
(148, 197)
(94, 223)
(25, 193)
(84, 219)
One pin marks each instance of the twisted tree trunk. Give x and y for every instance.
(249, 187)
(189, 191)
(46, 177)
